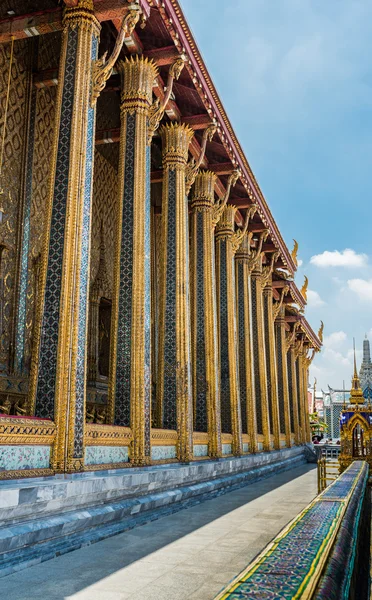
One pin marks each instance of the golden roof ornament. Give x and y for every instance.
(356, 392)
(304, 289)
(294, 253)
(320, 332)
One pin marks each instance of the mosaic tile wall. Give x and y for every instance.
(267, 309)
(11, 181)
(170, 391)
(298, 389)
(101, 455)
(279, 357)
(163, 452)
(49, 336)
(255, 353)
(147, 315)
(224, 349)
(124, 336)
(105, 181)
(80, 374)
(20, 334)
(290, 389)
(200, 450)
(13, 458)
(241, 344)
(200, 418)
(304, 543)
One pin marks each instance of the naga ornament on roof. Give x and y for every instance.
(192, 167)
(102, 68)
(157, 110)
(220, 205)
(304, 289)
(294, 253)
(320, 332)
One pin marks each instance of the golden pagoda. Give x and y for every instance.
(355, 425)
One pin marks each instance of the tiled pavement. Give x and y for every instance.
(189, 555)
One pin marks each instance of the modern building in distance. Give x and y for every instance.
(365, 373)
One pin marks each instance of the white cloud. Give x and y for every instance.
(361, 287)
(300, 262)
(313, 299)
(334, 339)
(346, 258)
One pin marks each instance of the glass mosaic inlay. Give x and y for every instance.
(147, 315)
(201, 378)
(80, 375)
(290, 389)
(124, 334)
(267, 306)
(256, 351)
(224, 347)
(279, 359)
(24, 269)
(170, 389)
(241, 346)
(50, 325)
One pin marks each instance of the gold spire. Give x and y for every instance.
(356, 393)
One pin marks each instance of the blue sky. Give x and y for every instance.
(295, 77)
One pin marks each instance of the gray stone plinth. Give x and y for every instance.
(44, 517)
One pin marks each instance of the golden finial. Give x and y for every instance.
(304, 289)
(356, 394)
(320, 332)
(294, 253)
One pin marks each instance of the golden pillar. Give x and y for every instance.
(58, 371)
(299, 367)
(282, 371)
(206, 391)
(130, 360)
(259, 354)
(270, 354)
(226, 325)
(292, 387)
(174, 384)
(308, 359)
(247, 392)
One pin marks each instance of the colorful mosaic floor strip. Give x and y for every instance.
(290, 566)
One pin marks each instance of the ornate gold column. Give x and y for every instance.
(58, 372)
(227, 243)
(174, 386)
(130, 359)
(300, 390)
(292, 381)
(243, 263)
(206, 391)
(259, 354)
(282, 371)
(270, 351)
(308, 359)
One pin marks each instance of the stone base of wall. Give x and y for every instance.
(41, 518)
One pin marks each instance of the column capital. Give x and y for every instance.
(203, 197)
(176, 139)
(244, 250)
(81, 15)
(226, 225)
(137, 79)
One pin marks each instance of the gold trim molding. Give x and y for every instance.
(107, 435)
(27, 431)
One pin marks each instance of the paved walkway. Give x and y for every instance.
(189, 555)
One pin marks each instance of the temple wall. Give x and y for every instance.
(104, 209)
(12, 180)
